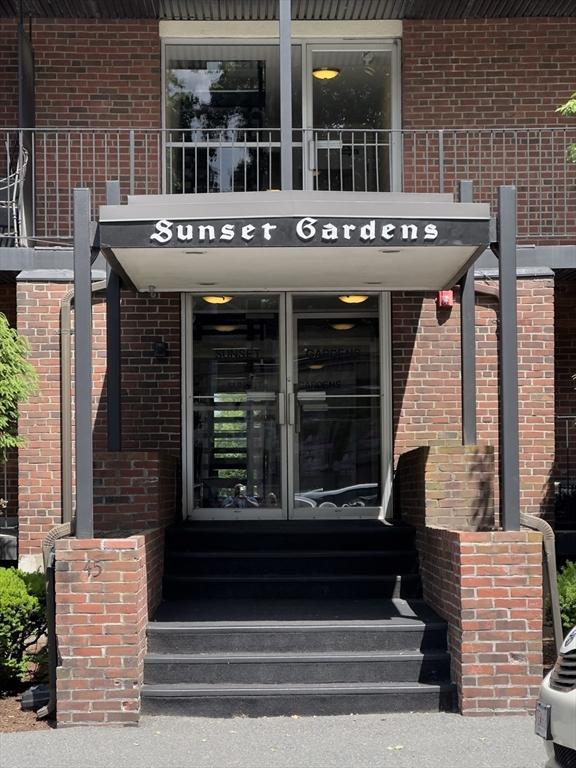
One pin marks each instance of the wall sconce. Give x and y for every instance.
(160, 352)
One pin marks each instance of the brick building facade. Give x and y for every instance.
(458, 78)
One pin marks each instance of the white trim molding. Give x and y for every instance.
(349, 30)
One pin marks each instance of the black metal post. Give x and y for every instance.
(113, 346)
(285, 19)
(508, 354)
(83, 364)
(468, 340)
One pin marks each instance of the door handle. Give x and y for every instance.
(312, 155)
(311, 397)
(291, 408)
(281, 408)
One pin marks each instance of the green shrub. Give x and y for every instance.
(22, 622)
(567, 593)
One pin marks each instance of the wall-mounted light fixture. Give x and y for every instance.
(160, 351)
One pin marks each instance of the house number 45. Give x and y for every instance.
(93, 568)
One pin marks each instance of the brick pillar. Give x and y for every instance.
(447, 485)
(101, 615)
(488, 587)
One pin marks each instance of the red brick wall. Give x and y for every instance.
(39, 424)
(9, 69)
(488, 587)
(426, 378)
(151, 385)
(134, 491)
(150, 390)
(101, 616)
(97, 73)
(486, 72)
(446, 485)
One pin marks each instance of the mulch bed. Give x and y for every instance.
(12, 718)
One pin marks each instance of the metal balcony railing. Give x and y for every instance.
(238, 160)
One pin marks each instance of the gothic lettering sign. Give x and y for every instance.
(291, 232)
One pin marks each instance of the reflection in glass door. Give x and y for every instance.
(336, 438)
(287, 406)
(237, 410)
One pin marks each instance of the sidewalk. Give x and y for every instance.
(435, 740)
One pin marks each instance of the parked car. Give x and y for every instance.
(555, 719)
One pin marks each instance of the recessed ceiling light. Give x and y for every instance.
(316, 366)
(198, 253)
(225, 328)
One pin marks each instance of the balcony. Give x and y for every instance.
(46, 164)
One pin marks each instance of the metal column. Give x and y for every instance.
(285, 18)
(468, 341)
(113, 349)
(83, 364)
(508, 358)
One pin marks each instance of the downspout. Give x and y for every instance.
(66, 528)
(537, 524)
(58, 532)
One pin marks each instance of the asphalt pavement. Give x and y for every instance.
(429, 740)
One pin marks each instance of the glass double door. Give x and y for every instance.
(284, 406)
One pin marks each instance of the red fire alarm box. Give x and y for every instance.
(445, 299)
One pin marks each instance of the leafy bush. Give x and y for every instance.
(567, 593)
(22, 622)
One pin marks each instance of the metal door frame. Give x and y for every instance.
(286, 340)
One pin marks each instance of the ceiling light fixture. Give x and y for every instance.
(342, 326)
(325, 73)
(225, 328)
(353, 299)
(316, 366)
(217, 299)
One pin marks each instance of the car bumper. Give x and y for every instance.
(562, 725)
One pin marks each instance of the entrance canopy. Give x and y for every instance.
(270, 241)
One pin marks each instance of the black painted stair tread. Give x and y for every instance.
(267, 578)
(285, 699)
(304, 553)
(269, 612)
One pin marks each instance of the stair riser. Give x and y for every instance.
(311, 704)
(291, 590)
(182, 564)
(185, 540)
(237, 641)
(409, 671)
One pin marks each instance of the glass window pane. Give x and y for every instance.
(338, 453)
(360, 96)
